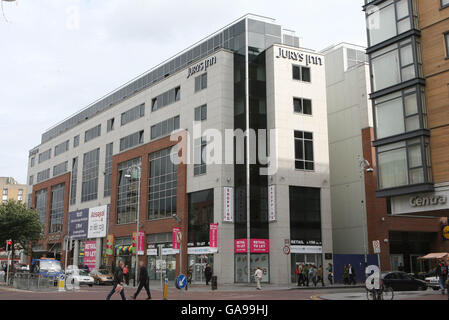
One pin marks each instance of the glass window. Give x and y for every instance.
(92, 133)
(57, 208)
(301, 73)
(164, 128)
(108, 169)
(41, 206)
(201, 113)
(76, 141)
(162, 200)
(127, 195)
(303, 106)
(304, 151)
(61, 148)
(133, 114)
(110, 125)
(199, 166)
(60, 169)
(446, 39)
(89, 190)
(74, 181)
(131, 141)
(165, 100)
(44, 156)
(43, 175)
(201, 215)
(201, 82)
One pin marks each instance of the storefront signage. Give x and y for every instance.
(202, 250)
(90, 253)
(54, 237)
(169, 251)
(300, 57)
(228, 204)
(423, 202)
(240, 246)
(271, 203)
(175, 243)
(78, 224)
(110, 245)
(140, 243)
(202, 66)
(446, 233)
(420, 201)
(97, 222)
(306, 249)
(152, 252)
(213, 232)
(260, 246)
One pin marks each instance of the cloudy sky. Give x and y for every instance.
(57, 57)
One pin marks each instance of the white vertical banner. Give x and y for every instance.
(272, 203)
(97, 222)
(228, 204)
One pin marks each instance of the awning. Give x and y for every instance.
(441, 255)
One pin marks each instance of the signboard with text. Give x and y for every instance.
(175, 243)
(90, 253)
(78, 224)
(213, 232)
(97, 222)
(271, 203)
(240, 246)
(260, 246)
(228, 204)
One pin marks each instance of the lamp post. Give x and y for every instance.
(364, 165)
(130, 175)
(179, 220)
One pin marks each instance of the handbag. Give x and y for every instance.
(119, 288)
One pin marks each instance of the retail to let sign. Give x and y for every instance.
(260, 246)
(228, 204)
(213, 233)
(240, 246)
(271, 203)
(90, 253)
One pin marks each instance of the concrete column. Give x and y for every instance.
(98, 257)
(76, 252)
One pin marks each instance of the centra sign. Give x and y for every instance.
(300, 57)
(202, 66)
(420, 201)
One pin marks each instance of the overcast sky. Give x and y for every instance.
(56, 57)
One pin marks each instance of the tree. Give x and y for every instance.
(20, 224)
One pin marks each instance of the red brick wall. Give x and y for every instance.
(376, 209)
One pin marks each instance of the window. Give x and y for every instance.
(301, 73)
(92, 133)
(355, 57)
(33, 160)
(43, 175)
(201, 215)
(395, 64)
(127, 193)
(201, 113)
(164, 128)
(404, 163)
(201, 82)
(304, 151)
(133, 114)
(76, 141)
(305, 216)
(61, 148)
(60, 169)
(5, 192)
(89, 185)
(166, 99)
(44, 156)
(446, 39)
(41, 206)
(108, 170)
(110, 125)
(57, 208)
(444, 4)
(131, 141)
(303, 106)
(199, 166)
(74, 181)
(31, 180)
(163, 185)
(389, 19)
(399, 112)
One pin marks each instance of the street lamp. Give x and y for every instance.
(134, 172)
(364, 165)
(179, 220)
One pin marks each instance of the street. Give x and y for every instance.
(199, 293)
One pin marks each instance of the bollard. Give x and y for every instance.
(165, 289)
(214, 284)
(61, 283)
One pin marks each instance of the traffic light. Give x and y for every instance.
(8, 245)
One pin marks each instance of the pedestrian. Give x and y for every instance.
(351, 273)
(310, 275)
(86, 268)
(298, 274)
(143, 281)
(345, 275)
(305, 274)
(320, 275)
(5, 269)
(118, 282)
(126, 274)
(258, 275)
(189, 276)
(314, 275)
(208, 274)
(441, 272)
(330, 277)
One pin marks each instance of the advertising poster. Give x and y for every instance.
(240, 246)
(78, 224)
(110, 245)
(213, 232)
(228, 204)
(175, 244)
(90, 253)
(260, 246)
(97, 222)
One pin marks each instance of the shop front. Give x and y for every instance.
(161, 260)
(259, 257)
(198, 258)
(124, 252)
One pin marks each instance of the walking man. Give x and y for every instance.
(118, 282)
(320, 275)
(441, 273)
(208, 274)
(351, 274)
(258, 275)
(330, 276)
(305, 275)
(126, 274)
(143, 282)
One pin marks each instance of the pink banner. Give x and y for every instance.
(90, 253)
(260, 246)
(213, 235)
(141, 243)
(240, 246)
(175, 243)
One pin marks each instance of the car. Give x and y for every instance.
(102, 276)
(80, 276)
(401, 281)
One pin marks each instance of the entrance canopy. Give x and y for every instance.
(437, 256)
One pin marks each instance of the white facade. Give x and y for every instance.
(349, 112)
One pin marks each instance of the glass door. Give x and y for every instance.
(396, 262)
(417, 266)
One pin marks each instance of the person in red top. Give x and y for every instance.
(126, 274)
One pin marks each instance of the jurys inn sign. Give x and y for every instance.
(300, 57)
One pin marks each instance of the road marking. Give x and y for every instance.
(315, 298)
